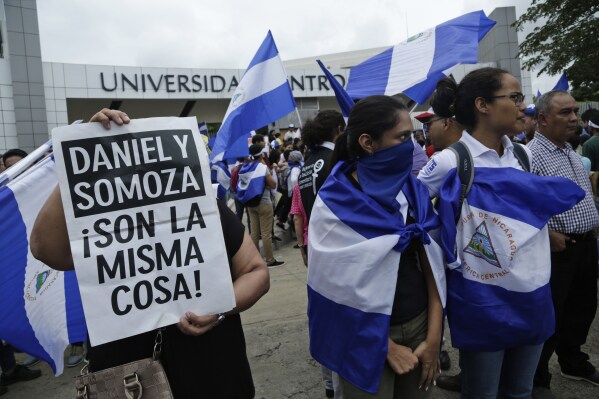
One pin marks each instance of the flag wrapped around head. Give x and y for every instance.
(41, 310)
(415, 66)
(252, 180)
(263, 96)
(355, 249)
(498, 285)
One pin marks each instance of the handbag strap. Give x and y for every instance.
(158, 344)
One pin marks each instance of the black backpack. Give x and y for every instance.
(466, 167)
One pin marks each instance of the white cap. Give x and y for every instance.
(591, 124)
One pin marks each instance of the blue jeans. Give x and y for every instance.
(503, 374)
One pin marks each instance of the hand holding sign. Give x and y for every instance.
(192, 324)
(106, 115)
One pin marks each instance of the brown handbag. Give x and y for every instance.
(144, 378)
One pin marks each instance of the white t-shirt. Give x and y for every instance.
(435, 171)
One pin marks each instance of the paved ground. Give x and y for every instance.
(277, 339)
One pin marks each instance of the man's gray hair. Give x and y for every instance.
(543, 105)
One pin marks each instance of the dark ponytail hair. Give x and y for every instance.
(322, 128)
(373, 115)
(453, 100)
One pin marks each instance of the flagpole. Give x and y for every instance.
(413, 108)
(24, 164)
(298, 118)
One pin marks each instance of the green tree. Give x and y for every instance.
(565, 39)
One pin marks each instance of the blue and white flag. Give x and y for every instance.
(252, 180)
(203, 128)
(355, 250)
(343, 99)
(415, 66)
(263, 96)
(562, 83)
(220, 174)
(41, 310)
(498, 285)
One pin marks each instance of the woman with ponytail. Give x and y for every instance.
(499, 303)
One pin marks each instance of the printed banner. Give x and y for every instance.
(143, 224)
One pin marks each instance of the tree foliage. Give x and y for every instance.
(566, 38)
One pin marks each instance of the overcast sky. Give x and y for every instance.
(226, 33)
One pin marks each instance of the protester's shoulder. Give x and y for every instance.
(439, 164)
(434, 172)
(592, 143)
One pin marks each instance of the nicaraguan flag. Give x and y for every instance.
(252, 179)
(263, 96)
(354, 260)
(41, 310)
(414, 66)
(498, 285)
(203, 128)
(562, 83)
(220, 174)
(343, 99)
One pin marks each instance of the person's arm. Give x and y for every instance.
(270, 181)
(428, 350)
(434, 173)
(250, 282)
(49, 240)
(558, 241)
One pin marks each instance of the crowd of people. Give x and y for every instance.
(342, 188)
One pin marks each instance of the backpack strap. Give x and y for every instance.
(465, 171)
(522, 157)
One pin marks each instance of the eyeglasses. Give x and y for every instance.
(517, 98)
(427, 125)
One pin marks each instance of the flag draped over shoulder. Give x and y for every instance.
(413, 67)
(498, 286)
(41, 310)
(263, 96)
(252, 179)
(355, 249)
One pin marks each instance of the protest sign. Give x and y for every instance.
(143, 224)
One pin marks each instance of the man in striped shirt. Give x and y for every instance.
(573, 238)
